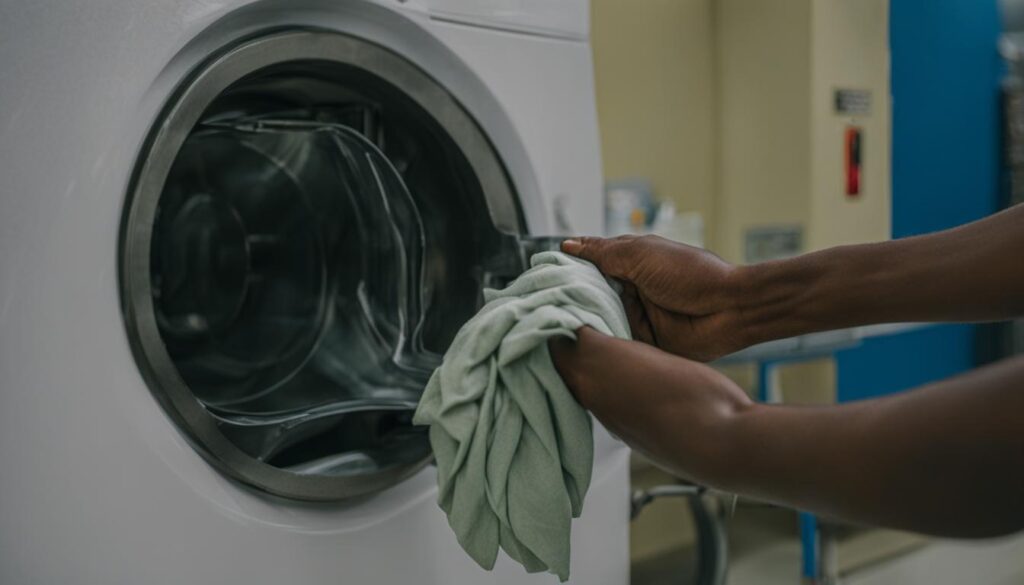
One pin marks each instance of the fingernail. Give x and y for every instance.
(571, 246)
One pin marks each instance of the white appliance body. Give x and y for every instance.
(97, 484)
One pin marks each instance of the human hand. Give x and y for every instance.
(677, 297)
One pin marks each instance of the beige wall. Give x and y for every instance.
(763, 70)
(655, 95)
(850, 49)
(727, 106)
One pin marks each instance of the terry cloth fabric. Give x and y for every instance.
(514, 450)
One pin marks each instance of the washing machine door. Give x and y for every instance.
(312, 221)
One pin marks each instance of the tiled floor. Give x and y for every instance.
(765, 551)
(949, 563)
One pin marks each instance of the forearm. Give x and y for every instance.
(971, 273)
(634, 389)
(947, 459)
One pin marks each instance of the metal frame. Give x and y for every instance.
(712, 564)
(180, 115)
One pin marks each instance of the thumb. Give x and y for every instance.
(611, 256)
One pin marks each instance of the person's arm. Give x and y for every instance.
(947, 459)
(971, 273)
(691, 303)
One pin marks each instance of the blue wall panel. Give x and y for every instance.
(890, 364)
(946, 152)
(945, 84)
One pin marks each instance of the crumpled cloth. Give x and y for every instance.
(514, 450)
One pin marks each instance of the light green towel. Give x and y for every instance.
(514, 449)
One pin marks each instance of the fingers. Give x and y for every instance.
(701, 339)
(639, 323)
(612, 256)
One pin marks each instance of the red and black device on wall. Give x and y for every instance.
(854, 158)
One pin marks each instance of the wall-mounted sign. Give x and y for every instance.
(763, 243)
(853, 102)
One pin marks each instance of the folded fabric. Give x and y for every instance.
(514, 450)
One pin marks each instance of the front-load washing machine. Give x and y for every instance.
(235, 239)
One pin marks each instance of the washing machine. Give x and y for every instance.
(235, 239)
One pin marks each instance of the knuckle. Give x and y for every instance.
(590, 245)
(649, 240)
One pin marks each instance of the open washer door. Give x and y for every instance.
(311, 222)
